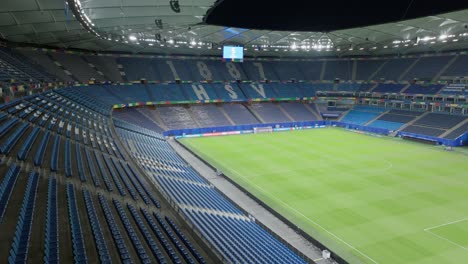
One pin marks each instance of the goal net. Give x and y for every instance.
(268, 129)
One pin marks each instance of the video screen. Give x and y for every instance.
(233, 53)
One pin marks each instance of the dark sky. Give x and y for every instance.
(323, 15)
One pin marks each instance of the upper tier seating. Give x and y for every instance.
(107, 66)
(84, 67)
(423, 89)
(389, 88)
(24, 65)
(427, 68)
(45, 61)
(458, 68)
(393, 68)
(77, 66)
(341, 69)
(366, 69)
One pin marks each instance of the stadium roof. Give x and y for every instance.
(154, 26)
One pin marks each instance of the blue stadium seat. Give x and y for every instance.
(20, 247)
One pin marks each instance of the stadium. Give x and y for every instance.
(203, 131)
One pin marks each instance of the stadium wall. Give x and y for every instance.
(463, 139)
(289, 126)
(437, 141)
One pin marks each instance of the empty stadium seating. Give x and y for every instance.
(83, 67)
(79, 150)
(189, 191)
(361, 115)
(68, 161)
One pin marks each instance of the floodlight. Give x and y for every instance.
(132, 38)
(442, 37)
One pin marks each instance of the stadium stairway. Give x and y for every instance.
(285, 113)
(221, 109)
(155, 118)
(373, 87)
(371, 77)
(313, 110)
(377, 117)
(67, 72)
(405, 88)
(451, 61)
(194, 117)
(412, 121)
(446, 133)
(254, 113)
(408, 69)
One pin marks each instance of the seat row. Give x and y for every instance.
(169, 233)
(124, 254)
(184, 239)
(101, 244)
(52, 245)
(19, 248)
(139, 248)
(79, 250)
(6, 188)
(149, 239)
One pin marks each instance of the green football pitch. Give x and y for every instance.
(370, 199)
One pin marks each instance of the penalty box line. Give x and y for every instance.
(428, 230)
(305, 217)
(446, 224)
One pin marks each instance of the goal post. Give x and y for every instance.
(267, 129)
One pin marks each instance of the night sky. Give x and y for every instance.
(327, 15)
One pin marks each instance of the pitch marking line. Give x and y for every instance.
(446, 224)
(301, 214)
(428, 230)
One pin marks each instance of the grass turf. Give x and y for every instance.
(370, 199)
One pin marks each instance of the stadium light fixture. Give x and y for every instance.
(443, 36)
(132, 37)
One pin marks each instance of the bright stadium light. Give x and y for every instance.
(132, 38)
(443, 36)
